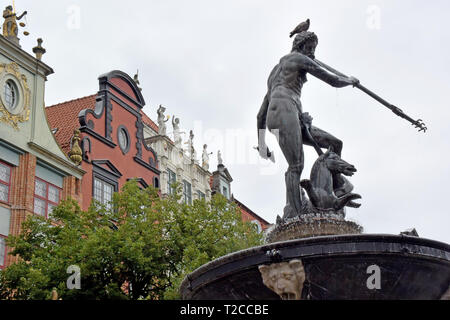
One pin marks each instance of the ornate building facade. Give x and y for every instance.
(180, 164)
(109, 126)
(85, 148)
(177, 164)
(35, 173)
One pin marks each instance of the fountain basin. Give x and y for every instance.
(335, 267)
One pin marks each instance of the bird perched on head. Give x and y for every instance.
(304, 26)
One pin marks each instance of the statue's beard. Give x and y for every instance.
(309, 54)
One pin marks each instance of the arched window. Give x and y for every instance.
(156, 182)
(123, 137)
(10, 94)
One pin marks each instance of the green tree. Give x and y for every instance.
(142, 248)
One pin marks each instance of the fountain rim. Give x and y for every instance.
(404, 245)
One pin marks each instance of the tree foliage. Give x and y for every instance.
(140, 248)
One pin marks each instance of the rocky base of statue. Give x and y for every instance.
(312, 225)
(323, 200)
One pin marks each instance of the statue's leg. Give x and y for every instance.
(294, 197)
(325, 140)
(285, 119)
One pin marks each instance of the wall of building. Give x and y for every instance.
(177, 160)
(115, 110)
(29, 155)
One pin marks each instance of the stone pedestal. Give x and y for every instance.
(312, 225)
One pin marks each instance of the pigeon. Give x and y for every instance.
(304, 26)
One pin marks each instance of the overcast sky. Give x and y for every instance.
(207, 62)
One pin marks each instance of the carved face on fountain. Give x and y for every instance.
(335, 164)
(285, 278)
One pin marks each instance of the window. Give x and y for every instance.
(171, 180)
(187, 194)
(201, 195)
(46, 197)
(2, 251)
(124, 139)
(225, 192)
(10, 94)
(5, 182)
(103, 192)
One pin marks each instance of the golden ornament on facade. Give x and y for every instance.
(76, 154)
(16, 107)
(10, 28)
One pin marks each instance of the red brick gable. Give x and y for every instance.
(249, 215)
(63, 117)
(116, 108)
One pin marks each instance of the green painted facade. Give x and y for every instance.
(34, 135)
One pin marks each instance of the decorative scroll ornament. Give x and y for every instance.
(10, 73)
(285, 278)
(76, 154)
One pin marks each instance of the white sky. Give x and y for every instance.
(208, 62)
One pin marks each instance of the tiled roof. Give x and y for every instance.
(64, 117)
(249, 211)
(149, 122)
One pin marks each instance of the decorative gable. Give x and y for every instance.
(107, 166)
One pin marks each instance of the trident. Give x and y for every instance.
(417, 123)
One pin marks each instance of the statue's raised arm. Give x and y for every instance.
(22, 15)
(317, 71)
